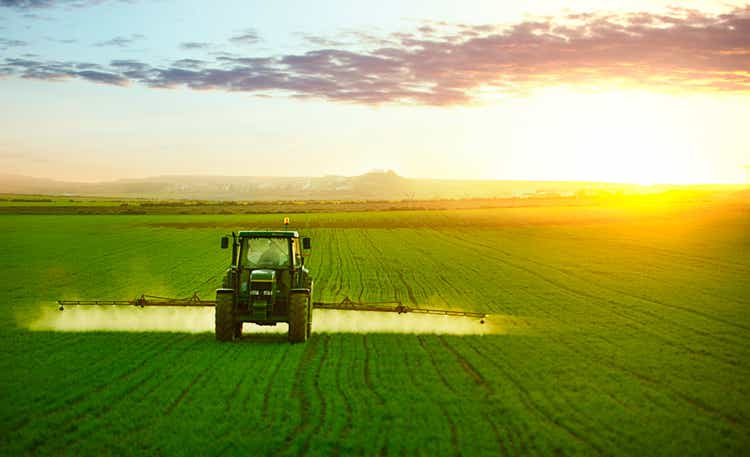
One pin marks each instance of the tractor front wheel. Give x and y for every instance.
(224, 320)
(298, 304)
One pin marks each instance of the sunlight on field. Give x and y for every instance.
(199, 320)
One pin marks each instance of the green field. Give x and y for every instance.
(617, 330)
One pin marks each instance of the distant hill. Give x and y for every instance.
(376, 185)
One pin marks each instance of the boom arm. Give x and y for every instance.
(142, 301)
(395, 307)
(346, 304)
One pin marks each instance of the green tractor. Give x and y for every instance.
(267, 283)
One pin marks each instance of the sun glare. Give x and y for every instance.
(624, 136)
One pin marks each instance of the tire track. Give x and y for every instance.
(382, 266)
(358, 267)
(305, 404)
(71, 424)
(319, 393)
(594, 297)
(339, 278)
(697, 404)
(491, 248)
(270, 385)
(467, 366)
(480, 380)
(535, 409)
(626, 439)
(443, 410)
(195, 380)
(346, 430)
(86, 395)
(368, 373)
(408, 288)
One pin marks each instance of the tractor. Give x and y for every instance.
(266, 283)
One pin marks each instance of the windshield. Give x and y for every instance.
(265, 252)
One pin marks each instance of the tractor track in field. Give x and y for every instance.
(480, 380)
(491, 248)
(136, 429)
(64, 340)
(383, 266)
(267, 392)
(305, 403)
(70, 424)
(595, 297)
(368, 373)
(644, 327)
(338, 280)
(346, 430)
(240, 381)
(359, 274)
(579, 416)
(697, 404)
(690, 400)
(695, 259)
(449, 386)
(319, 393)
(468, 368)
(409, 291)
(133, 387)
(501, 449)
(534, 408)
(105, 359)
(81, 397)
(196, 379)
(659, 386)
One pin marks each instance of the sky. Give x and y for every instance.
(639, 91)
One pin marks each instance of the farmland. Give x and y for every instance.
(620, 329)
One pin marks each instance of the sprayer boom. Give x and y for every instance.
(142, 301)
(346, 304)
(393, 307)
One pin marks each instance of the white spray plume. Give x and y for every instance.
(198, 320)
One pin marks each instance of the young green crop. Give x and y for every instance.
(622, 334)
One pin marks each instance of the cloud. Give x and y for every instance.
(62, 40)
(450, 64)
(190, 45)
(248, 36)
(40, 4)
(23, 4)
(6, 43)
(58, 71)
(120, 41)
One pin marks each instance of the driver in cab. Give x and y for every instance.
(267, 254)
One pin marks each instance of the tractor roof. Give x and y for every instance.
(269, 234)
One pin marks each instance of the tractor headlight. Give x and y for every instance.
(254, 292)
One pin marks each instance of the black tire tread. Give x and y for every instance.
(224, 322)
(298, 318)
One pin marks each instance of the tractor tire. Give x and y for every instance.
(224, 318)
(298, 318)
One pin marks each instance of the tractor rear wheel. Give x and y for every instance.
(223, 317)
(298, 318)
